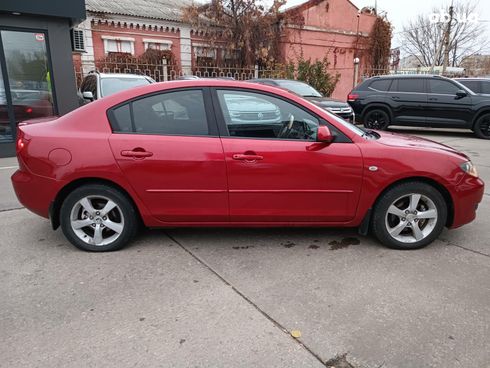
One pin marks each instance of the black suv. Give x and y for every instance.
(420, 100)
(477, 85)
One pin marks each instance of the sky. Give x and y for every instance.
(399, 12)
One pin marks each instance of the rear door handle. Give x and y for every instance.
(136, 153)
(432, 99)
(395, 97)
(245, 157)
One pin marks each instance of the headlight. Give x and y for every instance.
(469, 168)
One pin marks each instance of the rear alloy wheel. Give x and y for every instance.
(409, 216)
(376, 119)
(98, 218)
(482, 127)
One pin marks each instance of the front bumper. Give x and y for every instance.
(468, 195)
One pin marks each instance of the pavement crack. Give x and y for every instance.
(465, 248)
(11, 209)
(247, 299)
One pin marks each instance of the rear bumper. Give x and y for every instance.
(468, 195)
(35, 192)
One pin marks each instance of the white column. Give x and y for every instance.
(88, 57)
(185, 50)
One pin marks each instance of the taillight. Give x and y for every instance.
(352, 96)
(21, 142)
(28, 110)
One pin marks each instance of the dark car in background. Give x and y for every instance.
(420, 100)
(337, 107)
(477, 85)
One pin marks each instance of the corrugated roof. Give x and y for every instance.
(156, 9)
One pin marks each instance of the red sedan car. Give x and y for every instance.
(196, 153)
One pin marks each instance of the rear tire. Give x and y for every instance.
(98, 218)
(376, 119)
(409, 215)
(482, 127)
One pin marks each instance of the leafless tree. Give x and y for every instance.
(423, 36)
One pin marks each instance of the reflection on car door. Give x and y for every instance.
(276, 171)
(444, 108)
(168, 148)
(408, 100)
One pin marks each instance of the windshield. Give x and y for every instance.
(299, 88)
(351, 127)
(109, 86)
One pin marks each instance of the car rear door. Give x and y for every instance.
(168, 147)
(277, 172)
(408, 100)
(445, 108)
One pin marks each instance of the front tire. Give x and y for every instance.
(482, 127)
(409, 216)
(98, 218)
(376, 119)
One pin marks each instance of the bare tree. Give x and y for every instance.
(423, 37)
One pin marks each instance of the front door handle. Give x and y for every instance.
(247, 157)
(137, 153)
(432, 99)
(395, 97)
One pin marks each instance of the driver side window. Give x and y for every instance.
(255, 115)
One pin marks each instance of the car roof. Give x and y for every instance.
(472, 79)
(425, 76)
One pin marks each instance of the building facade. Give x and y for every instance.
(332, 29)
(36, 70)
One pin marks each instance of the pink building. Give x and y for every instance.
(331, 27)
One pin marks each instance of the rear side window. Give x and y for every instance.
(414, 85)
(171, 113)
(380, 85)
(442, 87)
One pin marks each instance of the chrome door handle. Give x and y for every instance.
(243, 157)
(136, 154)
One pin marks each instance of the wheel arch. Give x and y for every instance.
(478, 115)
(377, 105)
(55, 207)
(420, 179)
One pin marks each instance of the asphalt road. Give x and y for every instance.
(230, 298)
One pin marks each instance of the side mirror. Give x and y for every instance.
(87, 95)
(324, 134)
(461, 93)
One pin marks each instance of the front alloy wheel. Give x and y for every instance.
(409, 215)
(376, 119)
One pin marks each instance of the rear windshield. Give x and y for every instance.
(110, 86)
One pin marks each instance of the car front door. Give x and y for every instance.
(445, 108)
(277, 172)
(408, 100)
(168, 147)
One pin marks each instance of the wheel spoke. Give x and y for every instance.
(78, 224)
(395, 231)
(114, 226)
(417, 233)
(414, 202)
(429, 214)
(98, 235)
(394, 210)
(87, 205)
(109, 206)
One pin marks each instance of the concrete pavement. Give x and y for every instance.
(229, 298)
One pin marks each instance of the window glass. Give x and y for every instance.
(121, 119)
(442, 87)
(109, 86)
(172, 113)
(255, 115)
(408, 85)
(299, 88)
(380, 84)
(473, 85)
(485, 87)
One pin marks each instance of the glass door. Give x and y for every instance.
(26, 90)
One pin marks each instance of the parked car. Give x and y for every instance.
(420, 100)
(164, 155)
(340, 108)
(477, 85)
(97, 85)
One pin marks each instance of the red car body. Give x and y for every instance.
(195, 180)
